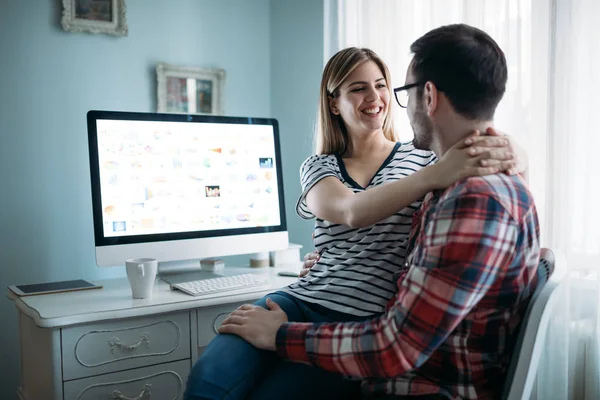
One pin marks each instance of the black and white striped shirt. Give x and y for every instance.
(355, 272)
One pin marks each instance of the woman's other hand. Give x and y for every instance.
(476, 156)
(521, 158)
(491, 144)
(310, 260)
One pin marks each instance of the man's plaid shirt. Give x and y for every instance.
(451, 327)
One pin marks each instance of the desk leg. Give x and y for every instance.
(194, 336)
(41, 358)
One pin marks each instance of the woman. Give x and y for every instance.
(361, 229)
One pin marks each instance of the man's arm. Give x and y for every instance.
(465, 247)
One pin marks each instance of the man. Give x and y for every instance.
(450, 330)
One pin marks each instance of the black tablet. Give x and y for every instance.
(52, 287)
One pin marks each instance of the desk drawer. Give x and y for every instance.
(209, 319)
(163, 381)
(105, 347)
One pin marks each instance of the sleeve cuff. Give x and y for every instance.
(291, 341)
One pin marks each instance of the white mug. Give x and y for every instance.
(141, 273)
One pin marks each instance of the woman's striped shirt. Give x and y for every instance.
(355, 272)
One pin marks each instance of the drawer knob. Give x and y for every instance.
(218, 321)
(115, 343)
(147, 390)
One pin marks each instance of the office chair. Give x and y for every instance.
(524, 363)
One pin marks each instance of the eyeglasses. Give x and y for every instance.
(401, 93)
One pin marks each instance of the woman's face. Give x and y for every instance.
(362, 100)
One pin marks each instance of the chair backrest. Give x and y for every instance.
(532, 333)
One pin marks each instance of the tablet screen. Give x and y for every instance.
(54, 286)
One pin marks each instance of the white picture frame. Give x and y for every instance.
(189, 90)
(95, 16)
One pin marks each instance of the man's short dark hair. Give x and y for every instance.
(466, 64)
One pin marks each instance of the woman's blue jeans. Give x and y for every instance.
(231, 368)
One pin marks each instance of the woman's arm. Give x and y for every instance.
(331, 200)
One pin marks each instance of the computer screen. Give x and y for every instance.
(184, 187)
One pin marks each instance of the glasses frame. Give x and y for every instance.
(405, 88)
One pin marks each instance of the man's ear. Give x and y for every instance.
(430, 97)
(333, 106)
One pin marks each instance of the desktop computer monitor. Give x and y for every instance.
(184, 187)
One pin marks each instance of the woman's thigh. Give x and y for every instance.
(294, 381)
(229, 366)
(289, 380)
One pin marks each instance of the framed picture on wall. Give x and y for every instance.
(189, 90)
(95, 16)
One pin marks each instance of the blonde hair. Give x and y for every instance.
(331, 136)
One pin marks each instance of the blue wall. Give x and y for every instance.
(272, 53)
(296, 67)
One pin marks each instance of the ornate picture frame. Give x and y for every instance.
(189, 90)
(95, 16)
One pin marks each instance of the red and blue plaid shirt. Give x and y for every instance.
(451, 327)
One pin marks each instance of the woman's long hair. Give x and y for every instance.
(331, 136)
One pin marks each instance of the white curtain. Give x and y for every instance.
(552, 49)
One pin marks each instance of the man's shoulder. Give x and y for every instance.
(510, 191)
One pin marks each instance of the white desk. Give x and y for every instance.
(102, 344)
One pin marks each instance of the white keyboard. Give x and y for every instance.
(221, 284)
